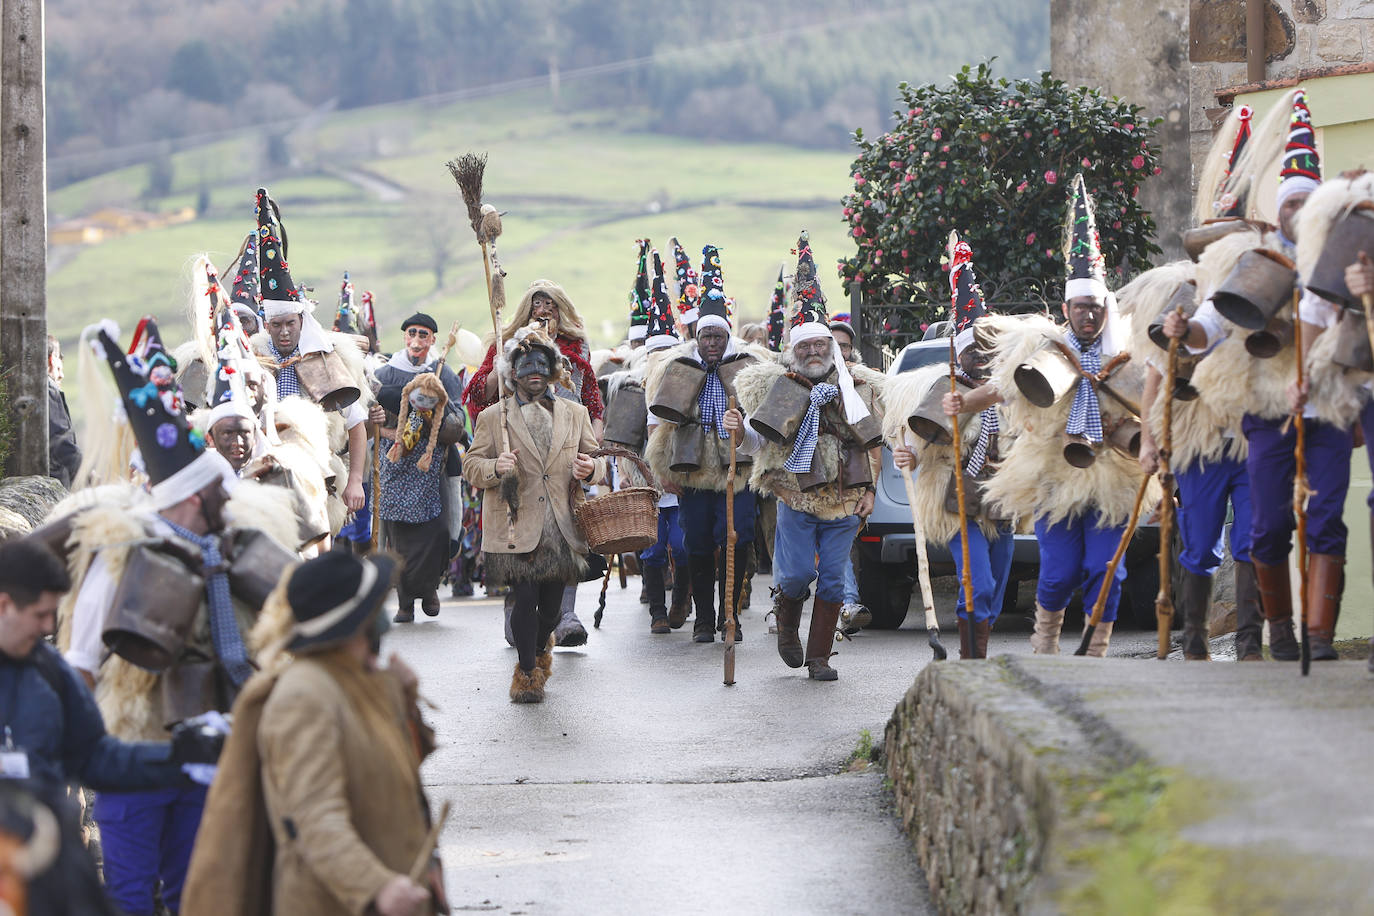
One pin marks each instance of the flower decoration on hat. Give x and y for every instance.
(662, 329)
(966, 296)
(713, 301)
(806, 288)
(688, 290)
(244, 288)
(275, 273)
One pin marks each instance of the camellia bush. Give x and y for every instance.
(994, 160)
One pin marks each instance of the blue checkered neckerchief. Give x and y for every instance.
(1085, 415)
(987, 428)
(224, 628)
(288, 382)
(809, 433)
(712, 403)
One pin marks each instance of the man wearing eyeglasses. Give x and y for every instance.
(413, 504)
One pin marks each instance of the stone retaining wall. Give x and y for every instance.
(983, 761)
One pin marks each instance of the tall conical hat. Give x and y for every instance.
(173, 455)
(244, 291)
(640, 295)
(1087, 269)
(1232, 200)
(966, 303)
(1302, 167)
(280, 295)
(806, 289)
(662, 328)
(346, 318)
(777, 311)
(230, 395)
(688, 291)
(712, 302)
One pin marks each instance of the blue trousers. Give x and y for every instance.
(851, 584)
(1074, 554)
(669, 538)
(359, 528)
(1272, 465)
(989, 562)
(807, 549)
(1204, 490)
(703, 519)
(147, 836)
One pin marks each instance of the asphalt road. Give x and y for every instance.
(643, 784)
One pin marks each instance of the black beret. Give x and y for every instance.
(422, 320)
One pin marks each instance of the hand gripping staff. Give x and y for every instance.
(1164, 605)
(923, 569)
(467, 170)
(730, 538)
(966, 579)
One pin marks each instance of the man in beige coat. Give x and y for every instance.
(317, 807)
(529, 538)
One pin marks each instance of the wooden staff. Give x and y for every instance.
(1100, 604)
(376, 488)
(1300, 493)
(1164, 605)
(730, 538)
(468, 170)
(967, 643)
(923, 569)
(601, 602)
(421, 864)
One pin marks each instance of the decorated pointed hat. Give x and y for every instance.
(966, 303)
(280, 295)
(687, 289)
(1087, 269)
(1232, 201)
(229, 391)
(777, 311)
(662, 328)
(367, 313)
(244, 293)
(172, 454)
(712, 303)
(640, 295)
(346, 314)
(806, 288)
(1302, 167)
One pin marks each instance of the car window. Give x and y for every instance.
(919, 357)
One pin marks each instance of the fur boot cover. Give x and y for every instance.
(769, 475)
(1207, 428)
(345, 345)
(715, 453)
(427, 383)
(935, 463)
(1034, 481)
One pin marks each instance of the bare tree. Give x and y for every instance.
(431, 235)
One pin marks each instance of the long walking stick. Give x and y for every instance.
(923, 569)
(730, 538)
(1164, 604)
(601, 602)
(966, 577)
(376, 489)
(1300, 494)
(467, 170)
(1100, 604)
(421, 864)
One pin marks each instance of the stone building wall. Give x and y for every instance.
(1173, 55)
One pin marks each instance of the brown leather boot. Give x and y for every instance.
(681, 608)
(982, 629)
(963, 638)
(820, 639)
(1276, 600)
(1325, 582)
(787, 611)
(1249, 616)
(1195, 600)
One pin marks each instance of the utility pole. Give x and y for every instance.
(24, 234)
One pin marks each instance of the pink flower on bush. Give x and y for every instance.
(1116, 225)
(911, 147)
(918, 109)
(1030, 239)
(944, 149)
(1156, 170)
(1022, 187)
(1051, 177)
(1026, 135)
(937, 134)
(942, 163)
(1130, 127)
(920, 195)
(1055, 131)
(1087, 163)
(904, 252)
(1049, 253)
(858, 232)
(894, 165)
(1138, 162)
(963, 181)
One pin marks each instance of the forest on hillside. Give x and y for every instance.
(802, 72)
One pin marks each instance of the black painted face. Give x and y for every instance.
(711, 343)
(1086, 315)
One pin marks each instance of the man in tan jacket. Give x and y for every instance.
(317, 807)
(529, 538)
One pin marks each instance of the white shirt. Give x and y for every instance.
(92, 604)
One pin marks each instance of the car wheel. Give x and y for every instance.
(886, 592)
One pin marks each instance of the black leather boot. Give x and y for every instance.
(703, 568)
(1249, 615)
(681, 607)
(658, 608)
(1195, 600)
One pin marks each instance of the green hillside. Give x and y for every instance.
(579, 189)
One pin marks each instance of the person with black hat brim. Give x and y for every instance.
(325, 752)
(412, 504)
(530, 541)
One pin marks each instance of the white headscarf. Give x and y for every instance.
(854, 407)
(313, 338)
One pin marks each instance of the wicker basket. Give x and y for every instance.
(623, 521)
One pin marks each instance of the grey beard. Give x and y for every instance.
(816, 373)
